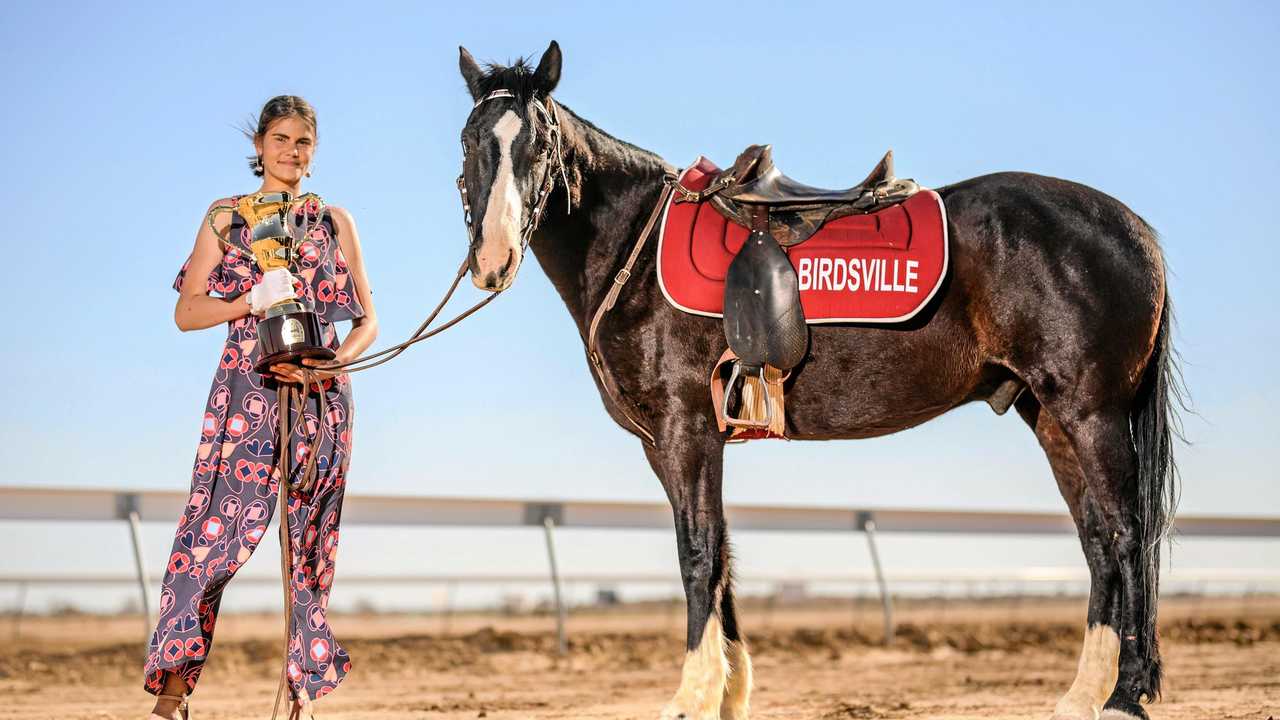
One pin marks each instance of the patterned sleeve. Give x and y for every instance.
(230, 279)
(335, 296)
(233, 276)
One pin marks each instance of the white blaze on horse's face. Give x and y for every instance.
(498, 257)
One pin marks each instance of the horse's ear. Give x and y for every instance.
(547, 76)
(471, 72)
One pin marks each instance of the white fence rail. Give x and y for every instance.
(135, 507)
(51, 504)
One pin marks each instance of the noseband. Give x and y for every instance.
(552, 162)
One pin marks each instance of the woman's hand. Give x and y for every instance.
(274, 287)
(319, 367)
(291, 373)
(286, 373)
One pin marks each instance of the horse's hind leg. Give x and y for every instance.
(1106, 451)
(715, 680)
(1121, 547)
(1099, 657)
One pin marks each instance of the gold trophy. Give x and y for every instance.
(289, 330)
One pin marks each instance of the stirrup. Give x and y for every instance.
(183, 707)
(728, 393)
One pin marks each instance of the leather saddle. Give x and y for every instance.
(763, 320)
(754, 187)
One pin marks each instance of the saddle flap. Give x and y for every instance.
(763, 319)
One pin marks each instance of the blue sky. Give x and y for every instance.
(120, 128)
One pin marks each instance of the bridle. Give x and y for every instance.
(552, 163)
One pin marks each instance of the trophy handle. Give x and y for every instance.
(223, 235)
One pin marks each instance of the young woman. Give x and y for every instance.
(233, 488)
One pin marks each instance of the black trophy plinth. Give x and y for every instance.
(288, 333)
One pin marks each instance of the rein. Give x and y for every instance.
(553, 161)
(292, 399)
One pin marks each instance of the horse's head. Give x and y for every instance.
(511, 155)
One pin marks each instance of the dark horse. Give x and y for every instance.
(1053, 286)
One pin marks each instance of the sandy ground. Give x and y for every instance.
(992, 659)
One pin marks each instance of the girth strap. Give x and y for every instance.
(619, 281)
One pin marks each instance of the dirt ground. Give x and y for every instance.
(994, 659)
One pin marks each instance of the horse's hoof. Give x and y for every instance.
(673, 712)
(1075, 706)
(1117, 714)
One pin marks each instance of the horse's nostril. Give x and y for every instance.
(511, 258)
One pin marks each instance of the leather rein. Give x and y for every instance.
(553, 164)
(294, 398)
(553, 161)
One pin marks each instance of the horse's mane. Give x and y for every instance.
(516, 77)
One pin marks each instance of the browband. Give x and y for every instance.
(494, 96)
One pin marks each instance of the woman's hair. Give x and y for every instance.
(278, 107)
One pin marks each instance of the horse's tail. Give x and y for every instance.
(1155, 423)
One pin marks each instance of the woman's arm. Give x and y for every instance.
(195, 309)
(364, 330)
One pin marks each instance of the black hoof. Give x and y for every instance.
(1123, 711)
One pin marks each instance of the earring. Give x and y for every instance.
(258, 167)
(308, 172)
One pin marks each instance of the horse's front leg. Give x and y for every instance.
(716, 680)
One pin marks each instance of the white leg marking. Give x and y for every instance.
(1116, 715)
(500, 232)
(737, 689)
(1095, 676)
(702, 682)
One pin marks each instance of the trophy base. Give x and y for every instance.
(289, 333)
(293, 356)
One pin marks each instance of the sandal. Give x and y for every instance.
(183, 707)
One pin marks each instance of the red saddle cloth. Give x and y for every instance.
(881, 267)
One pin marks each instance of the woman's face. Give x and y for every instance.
(286, 148)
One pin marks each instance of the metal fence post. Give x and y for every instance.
(128, 509)
(562, 642)
(19, 610)
(546, 514)
(867, 524)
